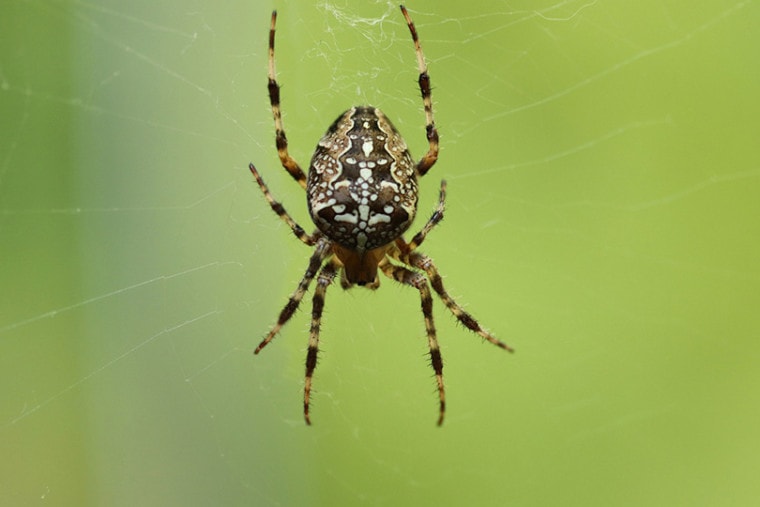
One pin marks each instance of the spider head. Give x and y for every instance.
(360, 267)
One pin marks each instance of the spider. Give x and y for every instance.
(362, 196)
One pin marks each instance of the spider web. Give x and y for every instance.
(601, 218)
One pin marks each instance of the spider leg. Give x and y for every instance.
(425, 263)
(325, 278)
(319, 255)
(431, 156)
(281, 140)
(280, 210)
(436, 217)
(418, 281)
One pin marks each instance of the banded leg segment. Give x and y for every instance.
(434, 219)
(320, 253)
(287, 161)
(424, 263)
(278, 208)
(418, 281)
(426, 162)
(325, 278)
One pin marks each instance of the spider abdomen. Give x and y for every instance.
(362, 184)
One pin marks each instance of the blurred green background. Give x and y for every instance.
(604, 178)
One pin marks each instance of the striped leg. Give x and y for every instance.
(280, 210)
(326, 276)
(418, 281)
(434, 219)
(424, 81)
(287, 161)
(424, 263)
(319, 255)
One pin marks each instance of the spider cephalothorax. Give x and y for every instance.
(362, 196)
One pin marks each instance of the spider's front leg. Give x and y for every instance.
(425, 263)
(319, 255)
(418, 281)
(325, 278)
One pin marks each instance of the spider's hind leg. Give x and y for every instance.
(427, 161)
(281, 139)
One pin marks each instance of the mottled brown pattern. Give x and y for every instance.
(362, 184)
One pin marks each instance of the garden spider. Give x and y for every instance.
(362, 196)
